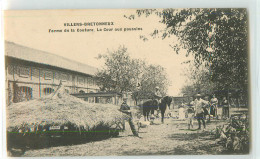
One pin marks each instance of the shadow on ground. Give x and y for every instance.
(18, 144)
(192, 135)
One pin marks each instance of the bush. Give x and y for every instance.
(234, 135)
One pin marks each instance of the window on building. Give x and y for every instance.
(90, 80)
(24, 72)
(64, 77)
(97, 99)
(67, 91)
(91, 100)
(81, 80)
(108, 100)
(26, 92)
(81, 91)
(87, 81)
(48, 75)
(48, 91)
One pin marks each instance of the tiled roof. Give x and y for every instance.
(29, 54)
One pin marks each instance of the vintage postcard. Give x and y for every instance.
(126, 82)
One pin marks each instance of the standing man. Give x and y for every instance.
(126, 110)
(199, 112)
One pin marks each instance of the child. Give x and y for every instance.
(190, 116)
(190, 113)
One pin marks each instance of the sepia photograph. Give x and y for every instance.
(127, 82)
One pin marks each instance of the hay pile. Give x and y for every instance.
(60, 108)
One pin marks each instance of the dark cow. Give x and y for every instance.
(166, 101)
(149, 106)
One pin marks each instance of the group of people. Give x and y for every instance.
(196, 109)
(199, 108)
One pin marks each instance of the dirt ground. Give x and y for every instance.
(170, 138)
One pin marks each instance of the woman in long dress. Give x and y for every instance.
(213, 106)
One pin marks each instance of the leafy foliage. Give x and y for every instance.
(122, 73)
(198, 81)
(217, 38)
(235, 135)
(153, 75)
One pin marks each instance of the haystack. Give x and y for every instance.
(60, 108)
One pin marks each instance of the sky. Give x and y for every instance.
(34, 29)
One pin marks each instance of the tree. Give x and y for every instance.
(217, 38)
(122, 74)
(153, 75)
(199, 81)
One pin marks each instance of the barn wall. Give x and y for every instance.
(40, 78)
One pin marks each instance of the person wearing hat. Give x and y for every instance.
(157, 94)
(199, 111)
(126, 110)
(157, 97)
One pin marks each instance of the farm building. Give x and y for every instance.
(106, 97)
(32, 74)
